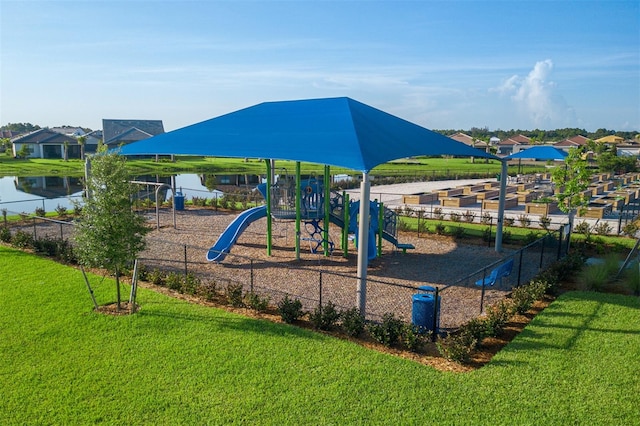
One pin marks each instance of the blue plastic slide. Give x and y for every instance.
(228, 238)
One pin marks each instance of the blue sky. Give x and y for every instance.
(443, 65)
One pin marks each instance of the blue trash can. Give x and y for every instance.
(424, 308)
(178, 200)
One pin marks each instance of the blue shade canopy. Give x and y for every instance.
(333, 131)
(540, 152)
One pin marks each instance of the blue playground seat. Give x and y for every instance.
(496, 275)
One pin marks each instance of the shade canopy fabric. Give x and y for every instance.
(332, 131)
(540, 152)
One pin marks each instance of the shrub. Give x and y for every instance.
(41, 212)
(506, 236)
(630, 229)
(156, 277)
(525, 221)
(455, 217)
(545, 222)
(497, 317)
(583, 228)
(469, 216)
(523, 297)
(207, 290)
(486, 219)
(22, 240)
(509, 221)
(423, 227)
(477, 328)
(457, 231)
(456, 347)
(403, 225)
(45, 245)
(440, 228)
(437, 213)
(324, 317)
(603, 228)
(5, 234)
(414, 337)
(256, 302)
(190, 284)
(290, 310)
(388, 332)
(531, 237)
(234, 295)
(408, 211)
(61, 211)
(486, 234)
(353, 322)
(173, 281)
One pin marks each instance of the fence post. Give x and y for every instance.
(436, 312)
(34, 228)
(484, 276)
(559, 244)
(251, 276)
(185, 261)
(320, 288)
(541, 254)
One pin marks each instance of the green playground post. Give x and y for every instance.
(380, 226)
(345, 228)
(269, 183)
(327, 210)
(298, 212)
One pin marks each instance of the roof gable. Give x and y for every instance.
(115, 130)
(42, 136)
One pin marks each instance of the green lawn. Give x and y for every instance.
(427, 167)
(178, 363)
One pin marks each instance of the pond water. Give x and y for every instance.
(26, 194)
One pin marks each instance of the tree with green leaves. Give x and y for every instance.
(572, 179)
(82, 140)
(110, 234)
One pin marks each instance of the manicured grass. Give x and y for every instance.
(425, 167)
(178, 363)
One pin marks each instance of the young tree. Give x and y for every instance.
(82, 140)
(110, 234)
(573, 179)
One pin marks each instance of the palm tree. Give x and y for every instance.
(82, 140)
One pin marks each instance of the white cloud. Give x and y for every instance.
(536, 97)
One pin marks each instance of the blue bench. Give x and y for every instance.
(497, 274)
(404, 247)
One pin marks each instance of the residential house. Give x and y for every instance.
(572, 142)
(122, 132)
(611, 140)
(513, 144)
(91, 141)
(46, 143)
(468, 140)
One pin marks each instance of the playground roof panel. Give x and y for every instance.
(334, 131)
(539, 152)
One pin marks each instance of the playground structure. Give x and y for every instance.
(316, 216)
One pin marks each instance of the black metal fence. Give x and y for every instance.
(462, 299)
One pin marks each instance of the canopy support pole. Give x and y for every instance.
(298, 212)
(269, 184)
(363, 243)
(501, 199)
(327, 209)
